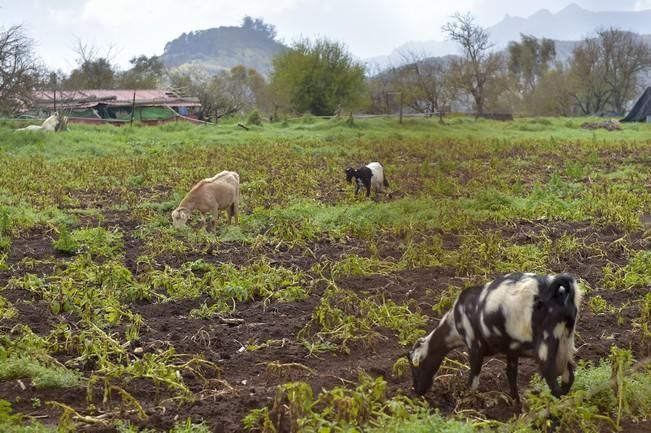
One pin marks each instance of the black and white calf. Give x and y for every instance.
(519, 315)
(370, 177)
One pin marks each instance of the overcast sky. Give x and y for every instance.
(368, 27)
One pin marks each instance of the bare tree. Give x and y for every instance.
(587, 72)
(625, 57)
(426, 84)
(18, 69)
(606, 70)
(234, 91)
(378, 84)
(93, 71)
(478, 66)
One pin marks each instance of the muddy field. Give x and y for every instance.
(133, 324)
(246, 382)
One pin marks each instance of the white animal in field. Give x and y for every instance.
(371, 177)
(211, 195)
(54, 123)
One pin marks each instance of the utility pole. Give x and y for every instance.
(53, 78)
(133, 108)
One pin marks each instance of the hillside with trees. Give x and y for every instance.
(252, 44)
(603, 74)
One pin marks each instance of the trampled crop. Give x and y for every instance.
(298, 318)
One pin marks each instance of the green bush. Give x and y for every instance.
(254, 118)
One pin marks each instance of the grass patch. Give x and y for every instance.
(42, 376)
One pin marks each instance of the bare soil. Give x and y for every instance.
(246, 383)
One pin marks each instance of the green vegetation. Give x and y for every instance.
(343, 409)
(14, 423)
(94, 241)
(271, 320)
(252, 43)
(343, 317)
(637, 273)
(42, 376)
(318, 77)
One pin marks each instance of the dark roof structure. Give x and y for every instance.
(642, 108)
(149, 106)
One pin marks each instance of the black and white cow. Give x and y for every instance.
(370, 177)
(518, 315)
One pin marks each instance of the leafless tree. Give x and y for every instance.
(478, 65)
(587, 72)
(426, 84)
(93, 70)
(379, 83)
(606, 69)
(19, 69)
(228, 92)
(625, 57)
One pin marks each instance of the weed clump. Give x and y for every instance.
(96, 241)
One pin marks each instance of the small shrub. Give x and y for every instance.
(66, 243)
(254, 118)
(96, 241)
(42, 376)
(599, 305)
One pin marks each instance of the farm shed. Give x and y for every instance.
(116, 106)
(641, 111)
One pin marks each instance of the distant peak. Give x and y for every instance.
(541, 13)
(572, 7)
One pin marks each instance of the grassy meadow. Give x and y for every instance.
(297, 318)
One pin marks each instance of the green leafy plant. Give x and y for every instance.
(95, 241)
(636, 273)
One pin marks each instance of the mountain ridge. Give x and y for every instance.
(572, 23)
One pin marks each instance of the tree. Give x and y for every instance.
(606, 70)
(625, 57)
(529, 60)
(378, 84)
(319, 77)
(474, 71)
(145, 73)
(258, 25)
(554, 94)
(587, 74)
(19, 71)
(426, 84)
(228, 92)
(92, 71)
